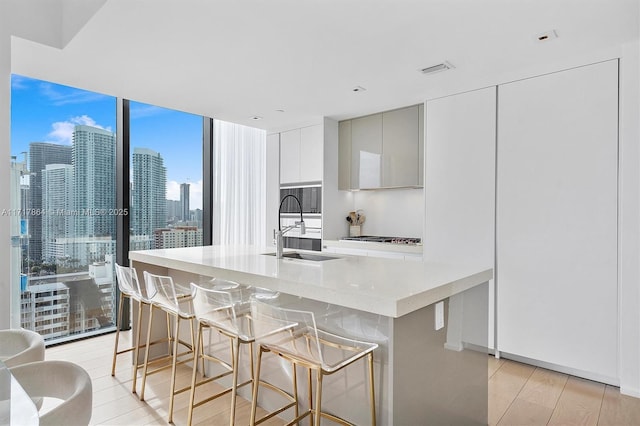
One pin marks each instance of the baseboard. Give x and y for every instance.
(613, 381)
(630, 392)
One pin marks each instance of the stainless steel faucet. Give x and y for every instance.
(278, 235)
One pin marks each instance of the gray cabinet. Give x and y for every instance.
(400, 133)
(366, 152)
(344, 155)
(383, 150)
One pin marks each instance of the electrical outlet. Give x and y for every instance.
(439, 315)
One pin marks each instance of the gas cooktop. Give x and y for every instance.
(376, 239)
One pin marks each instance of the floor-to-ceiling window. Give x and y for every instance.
(67, 196)
(63, 209)
(166, 178)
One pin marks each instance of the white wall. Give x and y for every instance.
(629, 222)
(5, 153)
(391, 212)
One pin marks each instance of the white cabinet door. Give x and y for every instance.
(290, 156)
(311, 154)
(460, 182)
(400, 137)
(366, 152)
(557, 219)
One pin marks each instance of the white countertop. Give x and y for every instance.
(381, 286)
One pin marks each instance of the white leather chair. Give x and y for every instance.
(20, 347)
(58, 379)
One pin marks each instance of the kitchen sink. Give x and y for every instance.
(303, 256)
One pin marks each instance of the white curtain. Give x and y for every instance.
(239, 184)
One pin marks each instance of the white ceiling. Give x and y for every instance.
(235, 59)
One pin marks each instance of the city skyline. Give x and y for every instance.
(48, 113)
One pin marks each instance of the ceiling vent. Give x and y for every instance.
(437, 68)
(546, 36)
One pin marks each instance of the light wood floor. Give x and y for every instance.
(519, 394)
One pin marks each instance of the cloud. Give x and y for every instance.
(19, 82)
(68, 96)
(173, 190)
(62, 132)
(141, 111)
(195, 193)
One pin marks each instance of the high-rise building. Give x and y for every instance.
(94, 163)
(57, 201)
(197, 217)
(45, 309)
(40, 155)
(180, 236)
(148, 200)
(184, 202)
(173, 211)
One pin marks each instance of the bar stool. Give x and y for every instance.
(165, 296)
(302, 343)
(225, 306)
(130, 288)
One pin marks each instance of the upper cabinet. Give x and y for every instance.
(301, 155)
(383, 150)
(366, 151)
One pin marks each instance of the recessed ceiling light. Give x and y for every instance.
(437, 68)
(546, 36)
(256, 117)
(358, 89)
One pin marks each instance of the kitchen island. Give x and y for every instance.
(431, 364)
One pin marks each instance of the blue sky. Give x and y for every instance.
(46, 112)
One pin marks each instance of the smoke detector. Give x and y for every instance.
(437, 68)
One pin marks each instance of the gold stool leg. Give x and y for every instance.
(254, 398)
(173, 367)
(137, 351)
(196, 355)
(118, 325)
(234, 386)
(372, 389)
(310, 394)
(294, 376)
(146, 354)
(318, 409)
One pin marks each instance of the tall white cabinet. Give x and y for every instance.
(460, 182)
(556, 226)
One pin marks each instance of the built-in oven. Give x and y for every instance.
(310, 197)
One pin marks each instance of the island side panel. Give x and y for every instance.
(440, 376)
